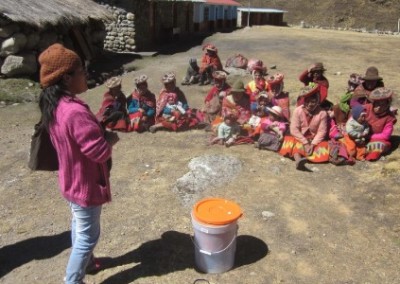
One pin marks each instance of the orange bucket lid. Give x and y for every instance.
(216, 211)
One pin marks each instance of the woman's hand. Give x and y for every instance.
(309, 148)
(111, 137)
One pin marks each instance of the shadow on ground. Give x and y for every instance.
(174, 251)
(18, 254)
(395, 140)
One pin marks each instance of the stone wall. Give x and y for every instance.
(120, 33)
(21, 44)
(133, 31)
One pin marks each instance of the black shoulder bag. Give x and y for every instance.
(42, 155)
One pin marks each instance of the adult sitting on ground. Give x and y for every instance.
(210, 62)
(184, 121)
(213, 101)
(141, 105)
(315, 75)
(192, 73)
(308, 129)
(381, 120)
(370, 82)
(277, 96)
(237, 102)
(113, 113)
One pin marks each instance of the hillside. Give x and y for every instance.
(356, 14)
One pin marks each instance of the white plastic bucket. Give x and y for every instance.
(215, 246)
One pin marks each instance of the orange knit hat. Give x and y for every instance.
(56, 61)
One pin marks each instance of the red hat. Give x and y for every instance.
(55, 62)
(210, 47)
(275, 79)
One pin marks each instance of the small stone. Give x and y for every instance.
(315, 169)
(267, 214)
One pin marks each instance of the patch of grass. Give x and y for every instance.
(19, 90)
(396, 241)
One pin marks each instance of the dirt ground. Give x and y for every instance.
(332, 225)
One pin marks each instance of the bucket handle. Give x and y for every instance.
(217, 252)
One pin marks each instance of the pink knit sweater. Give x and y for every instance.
(317, 127)
(82, 154)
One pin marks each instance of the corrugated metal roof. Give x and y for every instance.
(260, 10)
(223, 2)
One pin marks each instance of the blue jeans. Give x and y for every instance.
(85, 232)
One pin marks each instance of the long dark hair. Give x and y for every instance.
(48, 102)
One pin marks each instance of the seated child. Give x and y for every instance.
(273, 129)
(357, 132)
(259, 112)
(192, 73)
(228, 131)
(257, 85)
(173, 109)
(335, 132)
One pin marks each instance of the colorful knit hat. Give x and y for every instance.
(55, 62)
(275, 79)
(354, 81)
(356, 111)
(380, 94)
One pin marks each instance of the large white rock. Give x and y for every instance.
(13, 44)
(206, 172)
(18, 65)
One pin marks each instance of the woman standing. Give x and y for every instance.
(82, 148)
